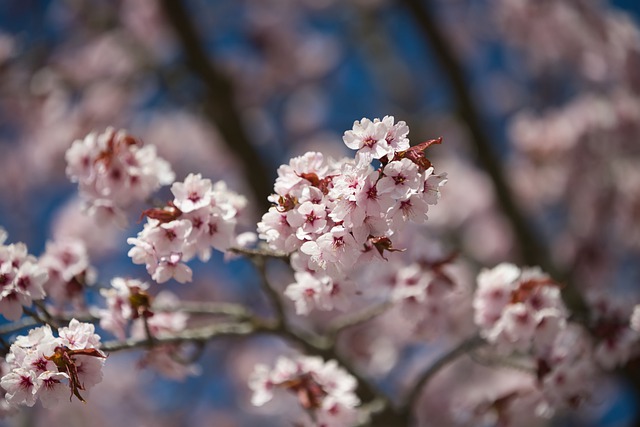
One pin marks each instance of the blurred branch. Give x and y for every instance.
(213, 308)
(193, 335)
(262, 252)
(356, 318)
(532, 249)
(219, 102)
(272, 295)
(464, 347)
(324, 347)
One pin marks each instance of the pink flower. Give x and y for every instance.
(322, 388)
(67, 263)
(21, 279)
(50, 368)
(400, 179)
(518, 309)
(114, 170)
(334, 252)
(194, 193)
(309, 219)
(635, 318)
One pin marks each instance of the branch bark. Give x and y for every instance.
(531, 247)
(219, 102)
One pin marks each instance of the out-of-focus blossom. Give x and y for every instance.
(126, 300)
(168, 359)
(518, 309)
(322, 388)
(69, 270)
(114, 170)
(22, 279)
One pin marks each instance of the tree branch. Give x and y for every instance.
(532, 249)
(262, 252)
(211, 308)
(448, 357)
(193, 335)
(219, 103)
(353, 319)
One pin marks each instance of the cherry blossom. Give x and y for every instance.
(323, 388)
(515, 308)
(50, 368)
(22, 279)
(69, 270)
(168, 359)
(334, 214)
(170, 238)
(114, 170)
(127, 299)
(378, 138)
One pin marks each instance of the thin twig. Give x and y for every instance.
(353, 319)
(271, 293)
(46, 313)
(25, 322)
(147, 331)
(39, 320)
(206, 308)
(501, 362)
(263, 252)
(448, 357)
(192, 335)
(29, 322)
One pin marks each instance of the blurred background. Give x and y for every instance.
(538, 102)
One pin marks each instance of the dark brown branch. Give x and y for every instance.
(220, 106)
(532, 249)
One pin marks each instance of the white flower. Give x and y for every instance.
(369, 138)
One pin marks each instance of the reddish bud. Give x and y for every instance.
(286, 203)
(382, 244)
(416, 154)
(165, 214)
(63, 358)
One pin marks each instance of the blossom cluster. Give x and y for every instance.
(201, 216)
(113, 170)
(521, 310)
(21, 278)
(322, 388)
(132, 311)
(126, 300)
(49, 368)
(69, 269)
(337, 215)
(517, 309)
